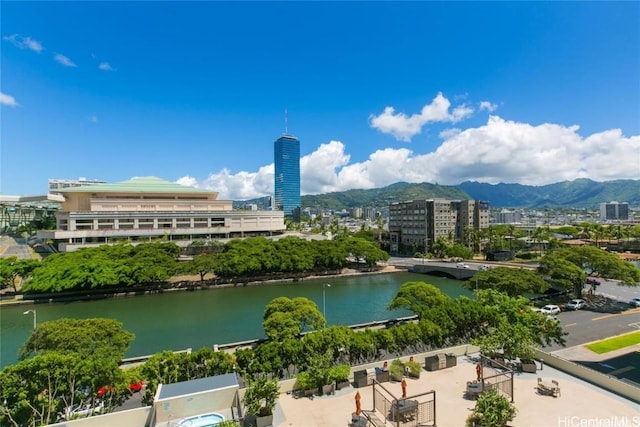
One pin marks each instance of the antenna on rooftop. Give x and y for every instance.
(285, 120)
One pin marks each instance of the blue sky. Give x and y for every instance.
(377, 92)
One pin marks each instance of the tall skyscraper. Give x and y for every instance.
(287, 176)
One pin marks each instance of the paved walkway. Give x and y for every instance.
(580, 402)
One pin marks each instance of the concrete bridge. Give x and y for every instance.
(449, 269)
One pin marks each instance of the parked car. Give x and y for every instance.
(485, 267)
(550, 309)
(635, 302)
(461, 265)
(576, 304)
(82, 411)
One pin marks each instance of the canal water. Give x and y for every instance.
(184, 319)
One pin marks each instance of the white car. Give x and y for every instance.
(635, 302)
(576, 304)
(485, 267)
(82, 411)
(550, 309)
(461, 265)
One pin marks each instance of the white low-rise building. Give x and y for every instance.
(146, 208)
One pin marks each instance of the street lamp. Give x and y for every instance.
(34, 317)
(324, 300)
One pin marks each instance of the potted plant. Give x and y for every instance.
(340, 375)
(492, 409)
(307, 384)
(260, 399)
(396, 370)
(527, 364)
(413, 369)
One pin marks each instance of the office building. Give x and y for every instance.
(414, 225)
(506, 216)
(287, 176)
(147, 208)
(614, 211)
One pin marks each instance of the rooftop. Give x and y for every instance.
(147, 184)
(579, 403)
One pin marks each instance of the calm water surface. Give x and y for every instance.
(180, 320)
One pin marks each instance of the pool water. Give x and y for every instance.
(205, 420)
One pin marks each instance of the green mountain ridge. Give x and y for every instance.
(579, 193)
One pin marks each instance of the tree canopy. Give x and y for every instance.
(418, 297)
(88, 337)
(513, 328)
(588, 260)
(105, 267)
(288, 317)
(511, 281)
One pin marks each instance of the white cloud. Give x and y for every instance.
(404, 127)
(105, 66)
(8, 100)
(24, 42)
(449, 133)
(498, 151)
(63, 60)
(488, 106)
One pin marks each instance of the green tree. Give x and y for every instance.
(96, 337)
(287, 318)
(591, 260)
(512, 328)
(12, 268)
(439, 247)
(511, 281)
(562, 273)
(418, 297)
(36, 390)
(202, 264)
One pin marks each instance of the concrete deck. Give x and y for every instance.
(580, 402)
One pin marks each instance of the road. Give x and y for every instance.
(14, 248)
(585, 326)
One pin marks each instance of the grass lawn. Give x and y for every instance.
(616, 343)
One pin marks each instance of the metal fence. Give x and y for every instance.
(412, 411)
(501, 380)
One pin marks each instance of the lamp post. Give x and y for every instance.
(324, 300)
(34, 324)
(34, 317)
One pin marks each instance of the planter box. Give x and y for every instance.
(440, 361)
(528, 366)
(412, 374)
(311, 392)
(497, 362)
(342, 384)
(266, 421)
(382, 376)
(360, 378)
(452, 359)
(328, 389)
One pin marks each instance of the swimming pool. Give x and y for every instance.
(204, 420)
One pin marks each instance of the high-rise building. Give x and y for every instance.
(613, 211)
(287, 176)
(416, 224)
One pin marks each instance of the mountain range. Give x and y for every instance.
(579, 193)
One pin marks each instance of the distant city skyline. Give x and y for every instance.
(378, 92)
